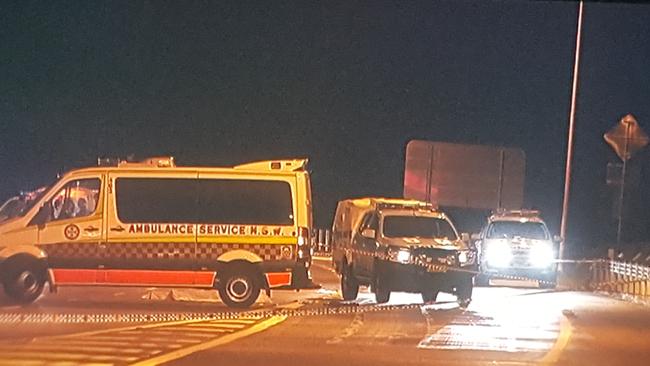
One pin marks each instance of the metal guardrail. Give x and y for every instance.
(321, 241)
(624, 278)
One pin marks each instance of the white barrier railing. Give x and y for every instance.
(621, 277)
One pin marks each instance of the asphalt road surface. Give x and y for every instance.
(504, 325)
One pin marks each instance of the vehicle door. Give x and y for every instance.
(73, 229)
(366, 243)
(151, 222)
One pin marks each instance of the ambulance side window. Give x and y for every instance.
(77, 199)
(156, 200)
(241, 201)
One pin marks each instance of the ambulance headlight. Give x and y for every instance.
(542, 255)
(498, 254)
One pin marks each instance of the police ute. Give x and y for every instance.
(400, 245)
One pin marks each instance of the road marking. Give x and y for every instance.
(553, 356)
(259, 327)
(148, 344)
(352, 329)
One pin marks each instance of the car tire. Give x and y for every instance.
(380, 288)
(349, 284)
(24, 281)
(429, 296)
(239, 288)
(464, 291)
(482, 280)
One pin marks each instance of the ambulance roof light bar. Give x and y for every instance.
(282, 165)
(156, 162)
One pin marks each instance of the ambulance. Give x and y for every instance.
(239, 230)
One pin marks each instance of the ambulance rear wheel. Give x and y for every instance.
(24, 280)
(239, 288)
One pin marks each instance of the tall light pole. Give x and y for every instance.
(569, 154)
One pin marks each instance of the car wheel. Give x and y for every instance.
(429, 296)
(24, 281)
(464, 291)
(239, 288)
(349, 284)
(380, 288)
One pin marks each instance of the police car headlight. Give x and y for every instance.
(464, 257)
(498, 254)
(542, 255)
(399, 255)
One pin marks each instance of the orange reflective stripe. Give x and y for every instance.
(278, 279)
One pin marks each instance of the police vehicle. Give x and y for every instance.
(517, 243)
(239, 230)
(400, 245)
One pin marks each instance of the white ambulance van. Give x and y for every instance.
(239, 230)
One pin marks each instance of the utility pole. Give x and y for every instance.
(569, 156)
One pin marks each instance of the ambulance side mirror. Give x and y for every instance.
(557, 238)
(476, 236)
(42, 216)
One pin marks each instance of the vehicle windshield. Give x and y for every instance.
(10, 207)
(417, 227)
(19, 205)
(511, 229)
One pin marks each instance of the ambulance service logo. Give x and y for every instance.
(71, 232)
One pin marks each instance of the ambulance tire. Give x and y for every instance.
(24, 279)
(239, 287)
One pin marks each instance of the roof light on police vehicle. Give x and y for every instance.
(498, 254)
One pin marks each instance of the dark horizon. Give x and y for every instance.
(346, 84)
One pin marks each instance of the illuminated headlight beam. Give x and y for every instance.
(542, 255)
(498, 255)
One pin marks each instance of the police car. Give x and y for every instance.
(239, 230)
(517, 243)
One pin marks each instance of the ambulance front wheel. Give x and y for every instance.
(24, 280)
(239, 288)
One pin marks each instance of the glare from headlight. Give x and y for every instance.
(462, 257)
(541, 255)
(403, 256)
(498, 255)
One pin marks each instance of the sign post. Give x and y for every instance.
(626, 138)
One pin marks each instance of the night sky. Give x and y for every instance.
(346, 84)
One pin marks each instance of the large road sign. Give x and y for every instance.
(464, 176)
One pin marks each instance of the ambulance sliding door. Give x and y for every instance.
(151, 221)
